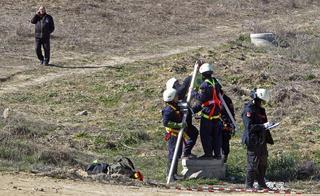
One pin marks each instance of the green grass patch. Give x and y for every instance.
(282, 167)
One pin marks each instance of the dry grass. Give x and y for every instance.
(123, 104)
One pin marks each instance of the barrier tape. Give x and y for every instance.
(228, 190)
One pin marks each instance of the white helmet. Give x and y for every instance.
(170, 83)
(263, 94)
(205, 67)
(169, 94)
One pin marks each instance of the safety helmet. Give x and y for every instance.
(170, 83)
(206, 67)
(261, 93)
(169, 94)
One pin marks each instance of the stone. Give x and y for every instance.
(6, 113)
(195, 168)
(82, 113)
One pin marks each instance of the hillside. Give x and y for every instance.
(112, 59)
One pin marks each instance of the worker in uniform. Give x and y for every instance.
(182, 90)
(172, 121)
(228, 127)
(210, 106)
(255, 137)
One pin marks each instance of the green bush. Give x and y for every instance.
(282, 168)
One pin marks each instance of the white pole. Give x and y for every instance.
(228, 111)
(184, 118)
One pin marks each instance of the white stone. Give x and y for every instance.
(6, 113)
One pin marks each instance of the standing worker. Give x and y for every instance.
(172, 121)
(191, 130)
(210, 106)
(228, 127)
(44, 26)
(182, 90)
(255, 137)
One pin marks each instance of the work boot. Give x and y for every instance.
(225, 158)
(217, 157)
(206, 157)
(175, 175)
(190, 156)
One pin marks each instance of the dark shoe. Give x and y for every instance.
(217, 157)
(225, 158)
(206, 157)
(249, 187)
(41, 62)
(190, 156)
(177, 177)
(263, 187)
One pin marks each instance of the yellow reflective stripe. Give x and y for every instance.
(210, 82)
(212, 117)
(176, 132)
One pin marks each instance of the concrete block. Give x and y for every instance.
(195, 168)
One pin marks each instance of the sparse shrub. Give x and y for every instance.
(56, 157)
(136, 137)
(282, 168)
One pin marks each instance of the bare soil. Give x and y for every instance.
(99, 35)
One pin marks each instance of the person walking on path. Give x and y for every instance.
(44, 26)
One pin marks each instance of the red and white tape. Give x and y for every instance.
(222, 189)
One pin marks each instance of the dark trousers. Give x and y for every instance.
(211, 136)
(256, 168)
(45, 43)
(193, 133)
(226, 136)
(171, 146)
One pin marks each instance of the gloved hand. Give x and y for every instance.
(268, 124)
(182, 125)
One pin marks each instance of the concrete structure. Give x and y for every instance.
(263, 39)
(194, 168)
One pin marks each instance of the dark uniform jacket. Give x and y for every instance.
(171, 114)
(44, 25)
(206, 92)
(255, 136)
(224, 114)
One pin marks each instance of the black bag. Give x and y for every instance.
(123, 166)
(96, 168)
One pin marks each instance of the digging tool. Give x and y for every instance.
(228, 111)
(184, 118)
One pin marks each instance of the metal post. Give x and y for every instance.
(228, 111)
(184, 118)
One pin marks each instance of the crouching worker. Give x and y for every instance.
(172, 121)
(255, 137)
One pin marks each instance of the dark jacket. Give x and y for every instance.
(171, 114)
(206, 94)
(255, 136)
(224, 114)
(44, 25)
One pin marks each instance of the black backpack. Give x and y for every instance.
(122, 165)
(96, 168)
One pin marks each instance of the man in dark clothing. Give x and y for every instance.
(256, 137)
(44, 26)
(228, 127)
(210, 106)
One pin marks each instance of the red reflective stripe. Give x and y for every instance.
(215, 100)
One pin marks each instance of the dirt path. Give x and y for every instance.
(26, 184)
(20, 80)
